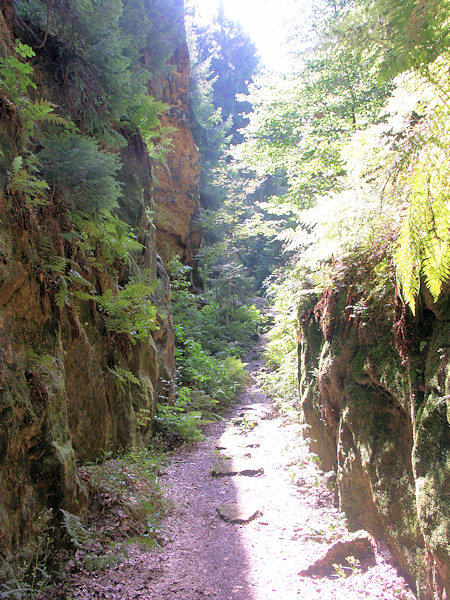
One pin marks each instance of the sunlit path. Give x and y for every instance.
(287, 521)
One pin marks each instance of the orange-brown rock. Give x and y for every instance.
(176, 184)
(63, 396)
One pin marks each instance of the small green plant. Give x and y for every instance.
(355, 567)
(354, 563)
(144, 417)
(175, 421)
(124, 378)
(77, 533)
(247, 425)
(25, 574)
(339, 570)
(128, 311)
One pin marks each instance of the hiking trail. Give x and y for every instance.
(253, 519)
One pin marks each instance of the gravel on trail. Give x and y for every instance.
(250, 533)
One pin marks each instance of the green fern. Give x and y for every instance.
(128, 311)
(77, 533)
(424, 242)
(24, 182)
(125, 378)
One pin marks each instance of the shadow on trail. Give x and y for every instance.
(205, 557)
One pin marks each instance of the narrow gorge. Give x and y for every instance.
(168, 201)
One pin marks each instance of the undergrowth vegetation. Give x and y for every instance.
(210, 373)
(126, 507)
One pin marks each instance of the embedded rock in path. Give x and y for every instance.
(358, 545)
(236, 448)
(257, 396)
(236, 466)
(238, 453)
(235, 443)
(239, 513)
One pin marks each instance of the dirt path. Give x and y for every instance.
(293, 522)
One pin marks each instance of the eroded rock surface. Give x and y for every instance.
(66, 391)
(374, 395)
(237, 466)
(176, 192)
(358, 546)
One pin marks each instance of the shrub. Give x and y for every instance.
(85, 175)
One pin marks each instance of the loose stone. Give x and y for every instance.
(239, 513)
(235, 466)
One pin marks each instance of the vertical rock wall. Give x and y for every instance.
(61, 400)
(176, 192)
(375, 394)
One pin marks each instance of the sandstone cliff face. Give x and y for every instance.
(63, 396)
(381, 420)
(176, 192)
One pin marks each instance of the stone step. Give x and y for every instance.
(236, 442)
(239, 513)
(237, 466)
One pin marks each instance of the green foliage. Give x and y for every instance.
(15, 81)
(423, 249)
(280, 381)
(221, 377)
(299, 124)
(226, 61)
(355, 567)
(223, 63)
(85, 175)
(15, 73)
(104, 239)
(407, 35)
(127, 507)
(114, 474)
(26, 574)
(75, 529)
(128, 311)
(209, 375)
(377, 197)
(208, 325)
(102, 68)
(125, 378)
(24, 182)
(178, 422)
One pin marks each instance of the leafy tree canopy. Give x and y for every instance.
(360, 131)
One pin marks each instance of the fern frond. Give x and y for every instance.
(16, 165)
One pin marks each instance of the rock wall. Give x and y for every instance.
(62, 397)
(176, 193)
(375, 387)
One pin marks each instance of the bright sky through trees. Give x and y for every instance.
(268, 23)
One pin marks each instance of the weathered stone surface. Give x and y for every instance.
(61, 400)
(240, 513)
(382, 423)
(359, 545)
(237, 466)
(236, 442)
(176, 191)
